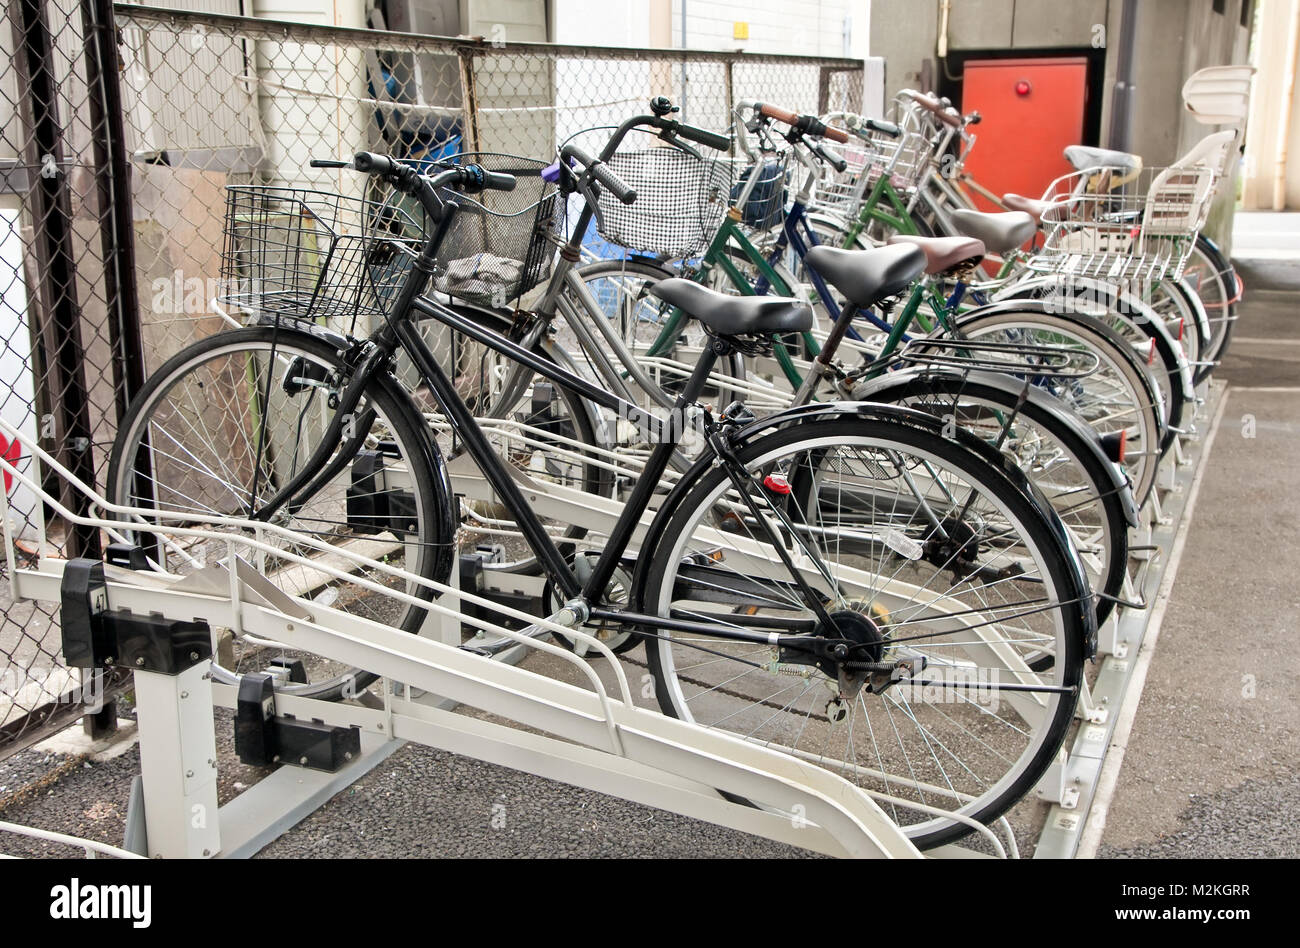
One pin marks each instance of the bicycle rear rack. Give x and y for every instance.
(1020, 359)
(593, 738)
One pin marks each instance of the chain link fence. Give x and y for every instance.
(112, 198)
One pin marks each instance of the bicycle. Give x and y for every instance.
(1093, 497)
(1117, 396)
(796, 585)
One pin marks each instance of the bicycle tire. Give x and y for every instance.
(893, 431)
(213, 367)
(1125, 371)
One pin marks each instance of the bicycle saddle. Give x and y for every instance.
(735, 315)
(1031, 206)
(944, 253)
(866, 277)
(1085, 156)
(999, 233)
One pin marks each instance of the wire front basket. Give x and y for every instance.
(764, 203)
(870, 155)
(308, 254)
(499, 246)
(680, 199)
(1100, 224)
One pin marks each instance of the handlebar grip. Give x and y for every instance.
(702, 136)
(833, 158)
(495, 180)
(885, 128)
(806, 124)
(371, 163)
(773, 112)
(836, 135)
(600, 171)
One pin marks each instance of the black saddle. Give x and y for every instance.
(866, 277)
(735, 315)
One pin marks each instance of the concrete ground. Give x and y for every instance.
(1211, 764)
(1212, 767)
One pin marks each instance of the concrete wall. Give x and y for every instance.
(1174, 39)
(797, 27)
(1275, 113)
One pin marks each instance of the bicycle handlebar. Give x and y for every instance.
(702, 136)
(468, 178)
(805, 124)
(860, 124)
(934, 106)
(600, 171)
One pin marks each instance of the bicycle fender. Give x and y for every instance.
(1081, 597)
(887, 387)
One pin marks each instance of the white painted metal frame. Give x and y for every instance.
(592, 738)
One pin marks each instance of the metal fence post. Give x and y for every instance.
(465, 56)
(729, 74)
(57, 336)
(113, 177)
(116, 227)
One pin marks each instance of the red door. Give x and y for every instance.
(1032, 109)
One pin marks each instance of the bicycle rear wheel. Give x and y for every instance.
(1036, 433)
(920, 549)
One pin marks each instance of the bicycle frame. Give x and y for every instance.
(401, 330)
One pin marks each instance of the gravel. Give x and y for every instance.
(1254, 820)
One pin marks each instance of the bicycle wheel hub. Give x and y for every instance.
(860, 640)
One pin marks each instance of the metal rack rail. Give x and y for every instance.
(593, 738)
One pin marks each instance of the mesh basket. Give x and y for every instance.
(313, 254)
(765, 206)
(871, 154)
(680, 199)
(499, 246)
(1100, 224)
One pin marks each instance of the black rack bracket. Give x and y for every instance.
(263, 738)
(95, 636)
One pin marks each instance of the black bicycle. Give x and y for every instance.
(849, 582)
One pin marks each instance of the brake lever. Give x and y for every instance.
(670, 136)
(329, 163)
(582, 185)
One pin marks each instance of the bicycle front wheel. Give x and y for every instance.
(923, 554)
(228, 421)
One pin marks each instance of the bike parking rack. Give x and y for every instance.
(1072, 784)
(601, 741)
(593, 738)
